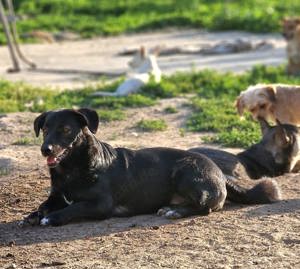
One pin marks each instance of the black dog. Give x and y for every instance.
(277, 153)
(90, 179)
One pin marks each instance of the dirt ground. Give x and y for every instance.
(260, 236)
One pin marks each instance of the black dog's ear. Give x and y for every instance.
(89, 118)
(281, 136)
(264, 125)
(39, 122)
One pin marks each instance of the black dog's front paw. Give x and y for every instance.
(52, 220)
(32, 219)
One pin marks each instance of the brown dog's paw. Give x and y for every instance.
(32, 219)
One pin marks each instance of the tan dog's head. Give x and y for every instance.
(289, 26)
(259, 100)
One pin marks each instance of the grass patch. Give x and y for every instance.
(220, 116)
(111, 115)
(5, 171)
(93, 17)
(23, 97)
(171, 110)
(213, 108)
(25, 141)
(152, 125)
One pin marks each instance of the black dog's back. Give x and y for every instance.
(227, 162)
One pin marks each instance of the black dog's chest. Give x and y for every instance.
(73, 185)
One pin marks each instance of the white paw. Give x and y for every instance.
(21, 223)
(172, 214)
(167, 212)
(163, 211)
(44, 221)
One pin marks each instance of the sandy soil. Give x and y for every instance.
(74, 64)
(261, 236)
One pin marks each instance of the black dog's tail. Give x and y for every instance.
(265, 192)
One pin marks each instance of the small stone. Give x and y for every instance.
(11, 266)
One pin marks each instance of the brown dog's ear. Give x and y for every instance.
(39, 123)
(271, 93)
(240, 106)
(89, 118)
(264, 125)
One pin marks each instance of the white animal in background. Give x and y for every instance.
(144, 66)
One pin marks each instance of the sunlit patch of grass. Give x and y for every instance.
(171, 110)
(26, 141)
(213, 110)
(109, 115)
(152, 125)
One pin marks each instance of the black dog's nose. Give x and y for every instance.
(46, 150)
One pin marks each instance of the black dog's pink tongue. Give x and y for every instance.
(51, 160)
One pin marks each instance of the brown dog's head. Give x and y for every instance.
(289, 26)
(62, 129)
(259, 100)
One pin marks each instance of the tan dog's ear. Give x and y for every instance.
(271, 93)
(240, 106)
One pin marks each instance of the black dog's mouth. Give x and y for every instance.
(53, 161)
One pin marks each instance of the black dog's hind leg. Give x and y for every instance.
(54, 202)
(88, 209)
(201, 186)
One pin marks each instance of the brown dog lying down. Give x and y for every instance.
(271, 101)
(291, 32)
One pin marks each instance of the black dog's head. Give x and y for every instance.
(282, 141)
(62, 129)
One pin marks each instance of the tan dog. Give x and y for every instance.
(271, 102)
(291, 32)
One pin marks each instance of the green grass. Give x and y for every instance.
(5, 171)
(171, 110)
(23, 97)
(152, 125)
(94, 17)
(25, 141)
(213, 108)
(219, 116)
(109, 115)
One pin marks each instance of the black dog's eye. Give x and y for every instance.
(66, 130)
